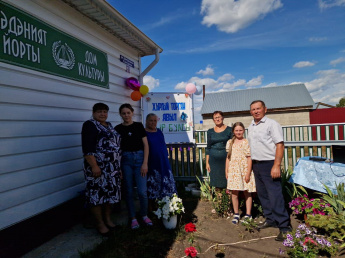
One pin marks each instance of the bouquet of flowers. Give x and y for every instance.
(305, 205)
(169, 206)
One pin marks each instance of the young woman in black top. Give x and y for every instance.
(135, 152)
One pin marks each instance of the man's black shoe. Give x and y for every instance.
(266, 225)
(281, 236)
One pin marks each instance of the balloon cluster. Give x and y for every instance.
(191, 88)
(138, 90)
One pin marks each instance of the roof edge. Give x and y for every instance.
(145, 46)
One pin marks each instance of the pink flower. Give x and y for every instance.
(308, 239)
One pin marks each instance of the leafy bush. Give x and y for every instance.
(207, 191)
(290, 190)
(332, 225)
(337, 201)
(222, 203)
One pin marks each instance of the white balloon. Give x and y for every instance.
(198, 90)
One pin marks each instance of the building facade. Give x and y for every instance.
(57, 59)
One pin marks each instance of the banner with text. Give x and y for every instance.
(31, 43)
(175, 115)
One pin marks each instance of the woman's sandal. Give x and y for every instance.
(147, 221)
(236, 219)
(135, 224)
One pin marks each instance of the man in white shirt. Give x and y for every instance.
(267, 148)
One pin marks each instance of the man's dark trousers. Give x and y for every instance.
(270, 194)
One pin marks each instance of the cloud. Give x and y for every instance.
(151, 82)
(324, 4)
(255, 81)
(292, 83)
(165, 20)
(302, 64)
(231, 16)
(208, 71)
(223, 82)
(181, 86)
(328, 87)
(226, 77)
(337, 61)
(272, 84)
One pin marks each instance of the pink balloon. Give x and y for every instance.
(190, 88)
(133, 83)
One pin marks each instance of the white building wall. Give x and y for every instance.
(41, 117)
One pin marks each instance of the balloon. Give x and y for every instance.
(133, 83)
(190, 88)
(198, 90)
(144, 90)
(135, 95)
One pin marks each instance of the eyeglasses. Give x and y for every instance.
(217, 117)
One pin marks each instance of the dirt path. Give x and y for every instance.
(212, 230)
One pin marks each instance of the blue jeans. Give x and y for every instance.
(130, 165)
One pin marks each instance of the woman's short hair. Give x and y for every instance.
(126, 105)
(218, 112)
(100, 106)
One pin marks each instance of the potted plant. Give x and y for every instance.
(168, 209)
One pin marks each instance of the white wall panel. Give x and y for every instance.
(35, 175)
(9, 129)
(21, 145)
(24, 194)
(18, 213)
(36, 159)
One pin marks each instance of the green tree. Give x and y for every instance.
(341, 102)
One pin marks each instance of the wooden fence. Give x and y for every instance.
(188, 159)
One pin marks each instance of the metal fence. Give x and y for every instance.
(188, 159)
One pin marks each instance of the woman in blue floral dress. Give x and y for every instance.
(160, 180)
(101, 148)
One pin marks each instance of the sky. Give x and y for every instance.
(243, 44)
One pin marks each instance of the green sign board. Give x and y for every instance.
(29, 42)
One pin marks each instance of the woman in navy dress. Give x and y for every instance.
(160, 180)
(101, 148)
